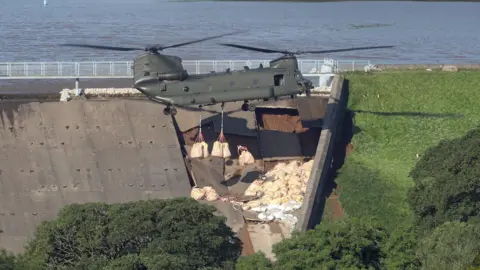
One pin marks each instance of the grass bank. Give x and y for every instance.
(398, 115)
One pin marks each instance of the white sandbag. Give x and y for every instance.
(205, 152)
(253, 204)
(196, 151)
(246, 158)
(262, 216)
(210, 194)
(197, 193)
(226, 150)
(304, 188)
(254, 187)
(294, 181)
(307, 166)
(217, 150)
(291, 167)
(295, 191)
(279, 166)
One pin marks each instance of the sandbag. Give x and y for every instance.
(204, 146)
(210, 194)
(253, 188)
(279, 166)
(197, 193)
(196, 151)
(217, 150)
(294, 181)
(291, 167)
(295, 191)
(307, 166)
(246, 158)
(226, 150)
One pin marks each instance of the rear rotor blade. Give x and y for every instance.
(348, 49)
(256, 49)
(200, 40)
(111, 48)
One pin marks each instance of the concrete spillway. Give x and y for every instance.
(53, 154)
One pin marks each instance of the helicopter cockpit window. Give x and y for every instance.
(278, 80)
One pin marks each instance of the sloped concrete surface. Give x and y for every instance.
(54, 154)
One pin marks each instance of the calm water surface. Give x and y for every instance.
(422, 32)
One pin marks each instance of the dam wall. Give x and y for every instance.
(314, 201)
(54, 154)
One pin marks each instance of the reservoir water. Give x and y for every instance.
(422, 32)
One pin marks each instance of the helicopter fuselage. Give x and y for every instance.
(152, 74)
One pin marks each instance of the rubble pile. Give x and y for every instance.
(205, 193)
(283, 191)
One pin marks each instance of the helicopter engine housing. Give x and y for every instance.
(154, 66)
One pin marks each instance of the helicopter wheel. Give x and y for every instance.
(166, 111)
(245, 106)
(170, 111)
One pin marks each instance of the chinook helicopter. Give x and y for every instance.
(163, 79)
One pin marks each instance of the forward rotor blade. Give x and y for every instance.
(256, 49)
(200, 40)
(347, 50)
(111, 48)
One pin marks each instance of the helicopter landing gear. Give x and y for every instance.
(248, 107)
(170, 110)
(308, 93)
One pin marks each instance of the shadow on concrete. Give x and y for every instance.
(8, 110)
(181, 143)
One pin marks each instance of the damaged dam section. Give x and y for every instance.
(119, 150)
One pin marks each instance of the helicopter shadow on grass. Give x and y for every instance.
(413, 114)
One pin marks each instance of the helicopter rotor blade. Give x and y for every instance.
(200, 40)
(263, 50)
(347, 49)
(111, 48)
(256, 49)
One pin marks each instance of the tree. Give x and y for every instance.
(452, 246)
(400, 249)
(347, 244)
(447, 182)
(155, 234)
(256, 261)
(7, 260)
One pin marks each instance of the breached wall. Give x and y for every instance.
(314, 201)
(54, 154)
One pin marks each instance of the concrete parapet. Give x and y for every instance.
(54, 154)
(312, 204)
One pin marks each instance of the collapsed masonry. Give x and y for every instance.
(276, 133)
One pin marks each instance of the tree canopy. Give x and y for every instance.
(447, 182)
(452, 246)
(348, 244)
(155, 234)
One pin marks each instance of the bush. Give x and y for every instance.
(452, 246)
(155, 234)
(447, 182)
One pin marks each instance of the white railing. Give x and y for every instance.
(122, 69)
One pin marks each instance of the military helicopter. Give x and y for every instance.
(163, 79)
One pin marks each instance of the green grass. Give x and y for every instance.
(374, 180)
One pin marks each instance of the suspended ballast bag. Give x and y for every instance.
(196, 151)
(226, 150)
(217, 150)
